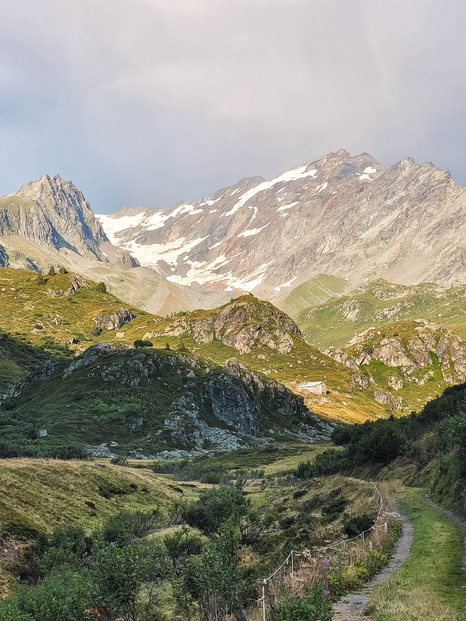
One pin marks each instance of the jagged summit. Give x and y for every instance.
(348, 216)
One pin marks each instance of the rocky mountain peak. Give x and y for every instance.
(55, 213)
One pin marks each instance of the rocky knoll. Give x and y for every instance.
(241, 324)
(392, 358)
(159, 400)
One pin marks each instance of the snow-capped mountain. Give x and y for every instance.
(341, 215)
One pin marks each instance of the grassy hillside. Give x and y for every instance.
(335, 322)
(63, 325)
(43, 316)
(313, 292)
(300, 364)
(39, 495)
(148, 401)
(17, 359)
(426, 449)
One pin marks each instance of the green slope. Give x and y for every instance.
(430, 585)
(315, 291)
(335, 322)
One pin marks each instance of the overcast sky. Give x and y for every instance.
(149, 102)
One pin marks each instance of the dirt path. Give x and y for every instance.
(351, 607)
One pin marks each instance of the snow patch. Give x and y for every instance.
(289, 206)
(366, 175)
(286, 284)
(251, 232)
(151, 254)
(290, 175)
(113, 226)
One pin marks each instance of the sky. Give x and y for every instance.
(152, 102)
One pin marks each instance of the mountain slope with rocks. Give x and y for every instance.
(344, 216)
(152, 402)
(405, 364)
(49, 222)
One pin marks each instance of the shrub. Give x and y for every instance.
(101, 287)
(62, 595)
(314, 606)
(140, 343)
(126, 527)
(357, 524)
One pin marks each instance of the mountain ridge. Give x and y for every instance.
(340, 215)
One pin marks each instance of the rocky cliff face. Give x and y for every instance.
(114, 320)
(241, 324)
(341, 215)
(53, 212)
(163, 401)
(395, 359)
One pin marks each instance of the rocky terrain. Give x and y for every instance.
(405, 363)
(349, 217)
(155, 401)
(242, 324)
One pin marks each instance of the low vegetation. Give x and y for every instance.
(430, 585)
(428, 448)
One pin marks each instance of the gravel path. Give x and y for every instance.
(351, 607)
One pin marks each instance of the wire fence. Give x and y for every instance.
(269, 587)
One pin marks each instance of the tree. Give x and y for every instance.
(123, 582)
(52, 271)
(63, 270)
(41, 280)
(214, 579)
(101, 287)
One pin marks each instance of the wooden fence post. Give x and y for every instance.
(263, 601)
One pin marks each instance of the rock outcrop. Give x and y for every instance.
(114, 320)
(405, 353)
(242, 324)
(3, 257)
(52, 212)
(171, 401)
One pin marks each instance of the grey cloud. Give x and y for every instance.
(154, 101)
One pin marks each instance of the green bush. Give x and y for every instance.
(126, 527)
(101, 287)
(140, 343)
(314, 606)
(61, 595)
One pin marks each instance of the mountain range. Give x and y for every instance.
(346, 217)
(367, 262)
